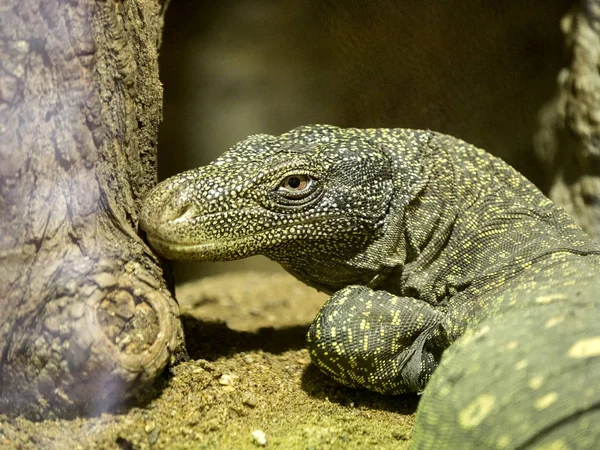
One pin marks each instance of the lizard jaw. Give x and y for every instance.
(205, 251)
(227, 249)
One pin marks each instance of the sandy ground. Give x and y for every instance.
(249, 384)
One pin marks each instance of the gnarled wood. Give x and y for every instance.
(568, 139)
(85, 319)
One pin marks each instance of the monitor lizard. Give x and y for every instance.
(449, 273)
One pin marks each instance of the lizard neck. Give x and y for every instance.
(427, 221)
(475, 219)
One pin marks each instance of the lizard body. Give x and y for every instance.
(429, 246)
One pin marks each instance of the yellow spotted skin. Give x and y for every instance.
(450, 274)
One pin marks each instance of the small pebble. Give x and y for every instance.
(226, 380)
(248, 359)
(400, 435)
(259, 437)
(153, 436)
(250, 400)
(206, 365)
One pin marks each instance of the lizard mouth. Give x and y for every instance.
(175, 245)
(229, 248)
(205, 251)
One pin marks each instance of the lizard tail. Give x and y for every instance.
(527, 379)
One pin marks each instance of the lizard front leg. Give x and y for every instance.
(376, 340)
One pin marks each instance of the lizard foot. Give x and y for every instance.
(375, 340)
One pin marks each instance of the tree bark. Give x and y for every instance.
(86, 319)
(568, 139)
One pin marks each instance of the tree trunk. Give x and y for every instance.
(568, 140)
(85, 318)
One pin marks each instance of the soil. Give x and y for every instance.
(249, 384)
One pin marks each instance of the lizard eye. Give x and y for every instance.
(296, 183)
(296, 190)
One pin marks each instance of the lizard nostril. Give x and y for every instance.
(185, 213)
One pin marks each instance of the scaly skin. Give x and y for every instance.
(426, 243)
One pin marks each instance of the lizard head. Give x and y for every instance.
(316, 196)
